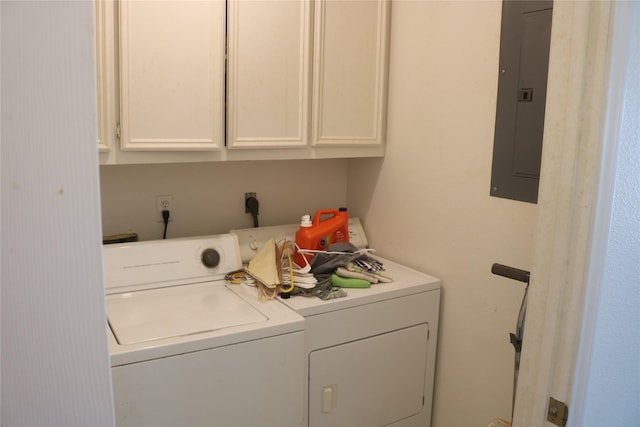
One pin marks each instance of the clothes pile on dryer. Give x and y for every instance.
(348, 266)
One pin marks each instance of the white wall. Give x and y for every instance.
(55, 363)
(427, 202)
(609, 393)
(208, 198)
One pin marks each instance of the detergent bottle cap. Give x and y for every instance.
(305, 221)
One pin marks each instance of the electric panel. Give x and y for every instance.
(524, 61)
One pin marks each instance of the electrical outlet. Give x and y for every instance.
(246, 196)
(164, 203)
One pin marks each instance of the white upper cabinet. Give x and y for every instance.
(350, 72)
(297, 79)
(337, 110)
(171, 75)
(268, 73)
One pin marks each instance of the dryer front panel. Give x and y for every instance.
(375, 381)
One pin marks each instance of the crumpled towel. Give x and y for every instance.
(341, 255)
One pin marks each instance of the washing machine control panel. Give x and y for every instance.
(137, 265)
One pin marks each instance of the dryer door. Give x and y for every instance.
(371, 382)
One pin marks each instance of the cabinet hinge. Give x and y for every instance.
(557, 412)
(118, 131)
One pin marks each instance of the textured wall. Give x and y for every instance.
(613, 379)
(55, 362)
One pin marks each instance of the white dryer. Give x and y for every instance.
(369, 356)
(189, 349)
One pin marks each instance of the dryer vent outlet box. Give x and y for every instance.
(522, 88)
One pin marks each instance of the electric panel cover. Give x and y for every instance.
(524, 62)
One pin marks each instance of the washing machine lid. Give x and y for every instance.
(155, 314)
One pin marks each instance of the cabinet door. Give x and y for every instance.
(105, 76)
(268, 73)
(172, 75)
(350, 72)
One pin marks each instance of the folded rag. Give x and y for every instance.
(344, 272)
(378, 275)
(348, 282)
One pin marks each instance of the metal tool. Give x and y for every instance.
(515, 339)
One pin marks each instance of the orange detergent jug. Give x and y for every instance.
(327, 227)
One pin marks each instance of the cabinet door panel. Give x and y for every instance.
(351, 43)
(172, 74)
(268, 73)
(102, 59)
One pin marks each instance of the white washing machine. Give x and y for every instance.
(189, 349)
(369, 356)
